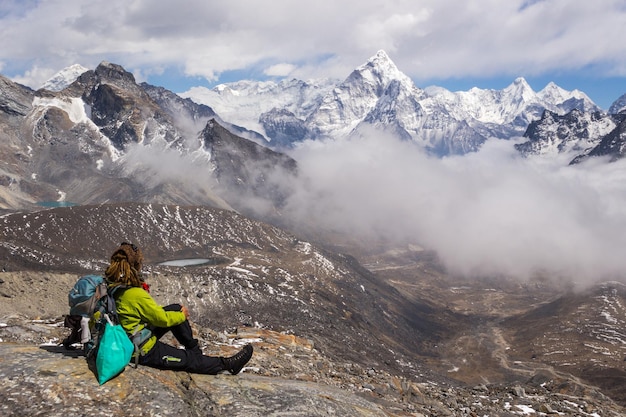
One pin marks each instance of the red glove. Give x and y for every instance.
(145, 286)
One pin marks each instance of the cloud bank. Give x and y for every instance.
(487, 213)
(429, 39)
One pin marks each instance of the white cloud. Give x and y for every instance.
(426, 39)
(280, 70)
(490, 212)
(35, 76)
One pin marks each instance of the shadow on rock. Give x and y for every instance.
(73, 353)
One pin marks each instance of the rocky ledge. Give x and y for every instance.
(287, 376)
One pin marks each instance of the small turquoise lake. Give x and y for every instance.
(56, 204)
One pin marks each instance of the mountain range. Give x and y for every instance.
(379, 94)
(117, 133)
(105, 138)
(281, 114)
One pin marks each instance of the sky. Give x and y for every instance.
(449, 43)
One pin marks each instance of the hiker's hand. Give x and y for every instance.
(185, 312)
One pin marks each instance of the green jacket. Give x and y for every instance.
(137, 309)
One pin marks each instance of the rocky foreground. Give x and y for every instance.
(287, 376)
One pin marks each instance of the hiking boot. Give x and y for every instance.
(67, 344)
(235, 363)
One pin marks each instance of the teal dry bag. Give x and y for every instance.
(114, 352)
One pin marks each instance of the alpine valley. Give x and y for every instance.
(341, 325)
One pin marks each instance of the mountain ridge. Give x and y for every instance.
(578, 135)
(104, 137)
(413, 112)
(377, 93)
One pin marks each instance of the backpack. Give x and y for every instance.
(93, 311)
(89, 301)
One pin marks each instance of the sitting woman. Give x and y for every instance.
(137, 311)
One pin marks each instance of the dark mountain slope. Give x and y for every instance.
(106, 138)
(256, 275)
(581, 333)
(248, 172)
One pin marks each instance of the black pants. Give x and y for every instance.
(190, 359)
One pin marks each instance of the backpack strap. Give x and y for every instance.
(110, 301)
(139, 338)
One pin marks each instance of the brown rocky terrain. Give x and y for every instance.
(390, 334)
(519, 328)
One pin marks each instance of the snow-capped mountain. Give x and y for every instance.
(377, 93)
(348, 104)
(104, 137)
(567, 100)
(619, 105)
(577, 135)
(611, 145)
(64, 78)
(244, 102)
(387, 326)
(575, 132)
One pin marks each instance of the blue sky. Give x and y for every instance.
(449, 43)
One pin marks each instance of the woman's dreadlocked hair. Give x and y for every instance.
(125, 266)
